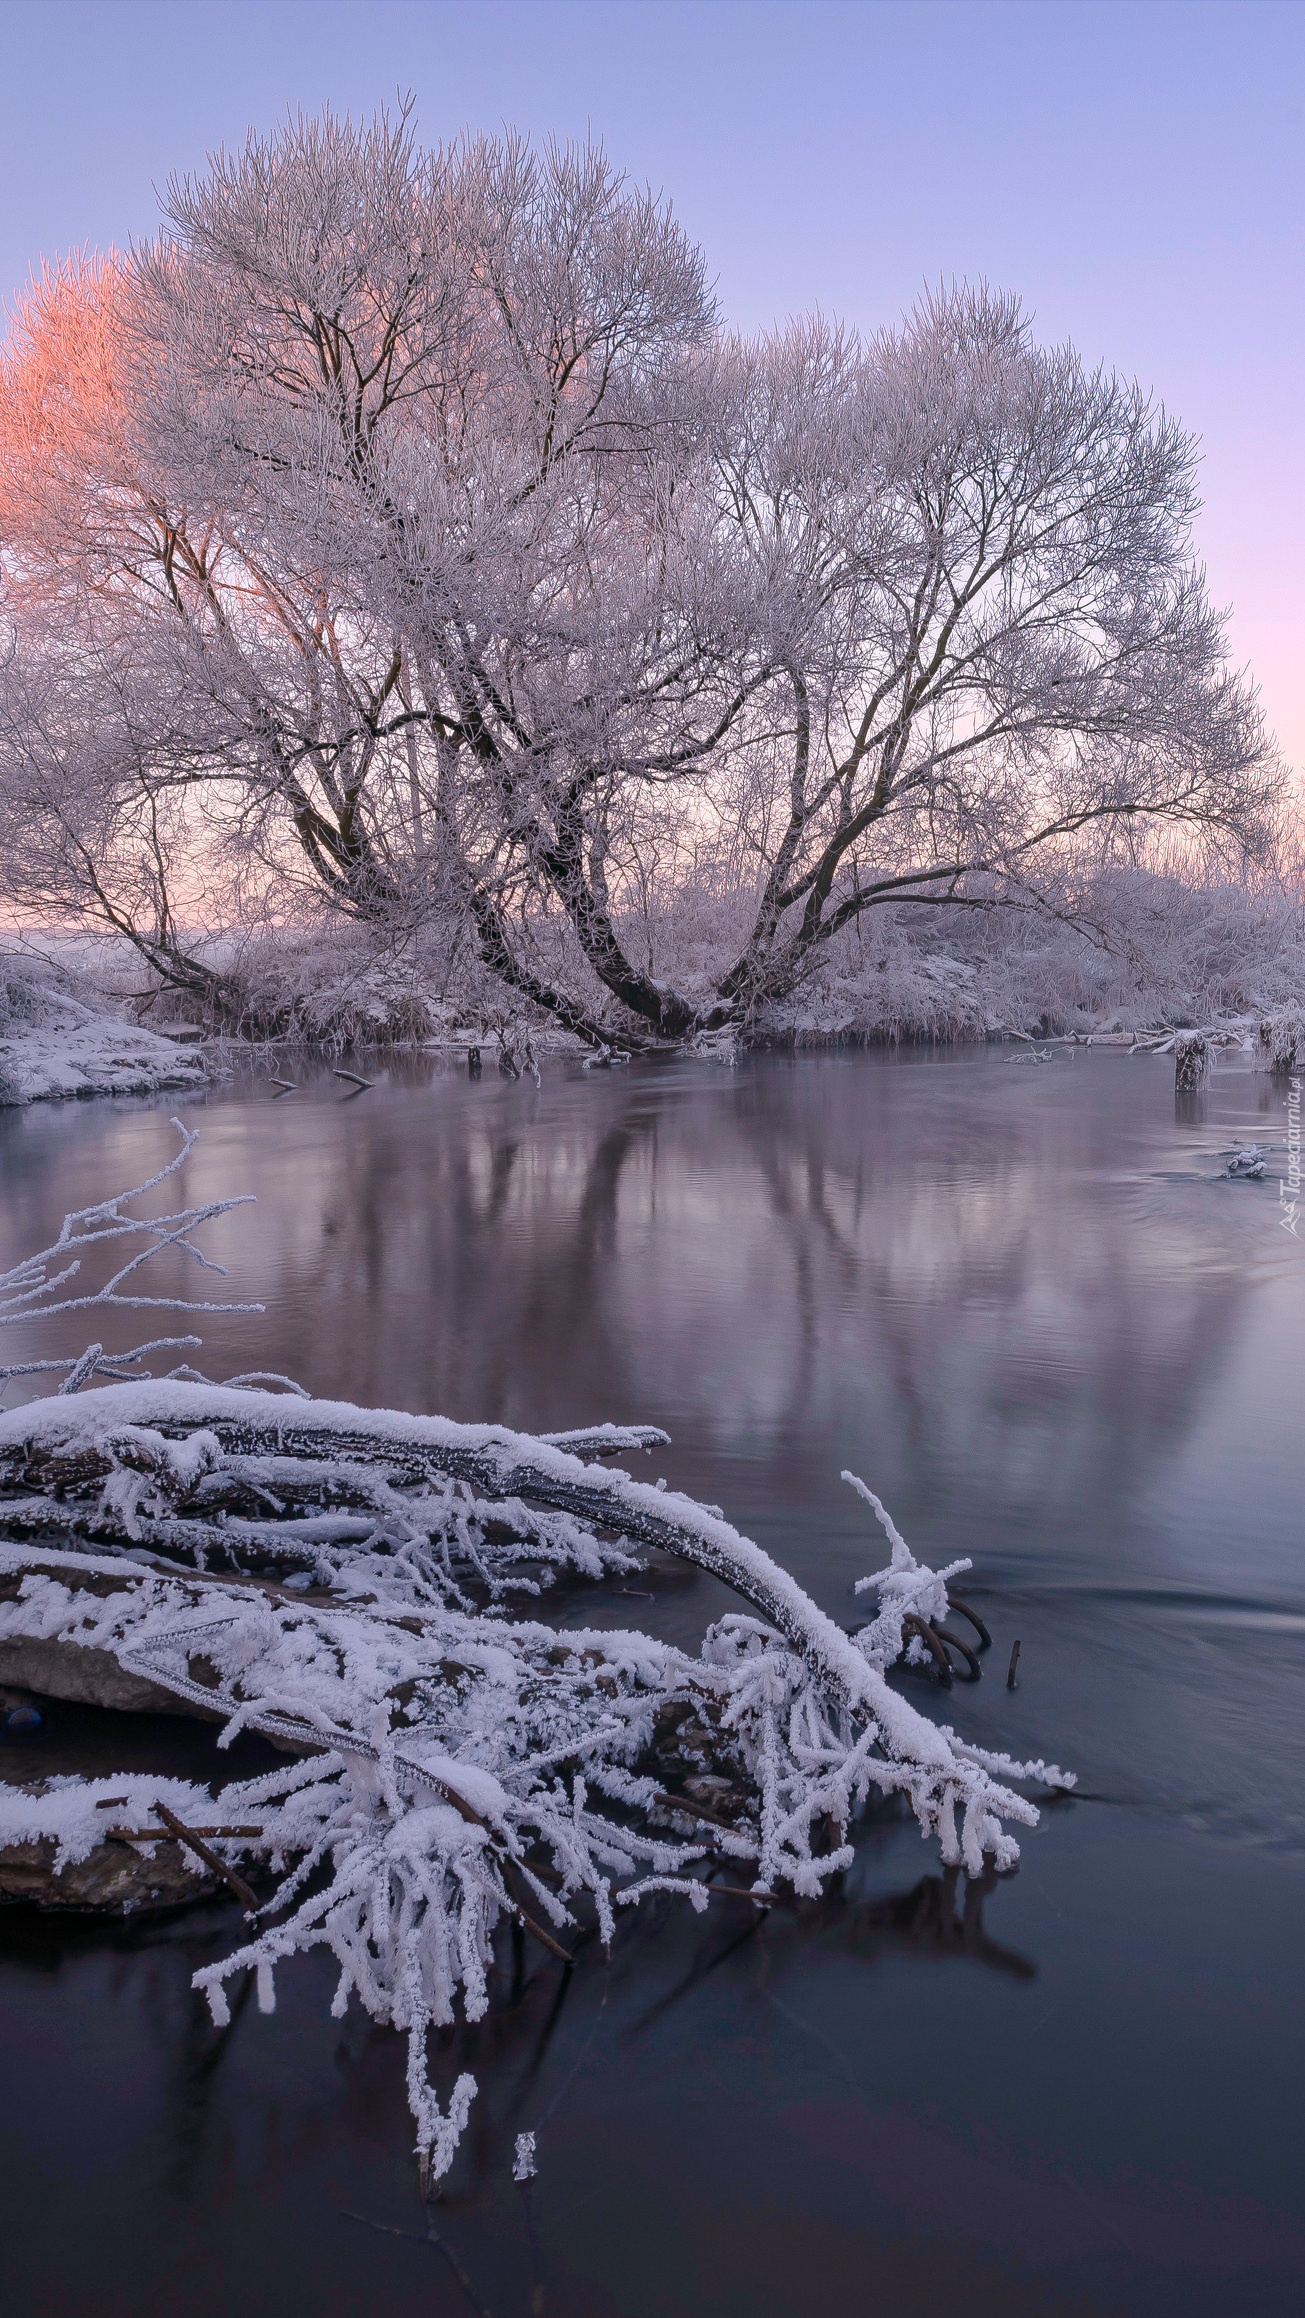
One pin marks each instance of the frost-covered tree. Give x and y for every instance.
(408, 534)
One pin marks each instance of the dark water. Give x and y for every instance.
(1023, 1305)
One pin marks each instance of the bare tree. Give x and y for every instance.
(403, 521)
(988, 624)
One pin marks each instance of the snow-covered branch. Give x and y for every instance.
(338, 1578)
(30, 1291)
(452, 1765)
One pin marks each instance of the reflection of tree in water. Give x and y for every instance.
(793, 1252)
(783, 1261)
(939, 1917)
(992, 1306)
(139, 1976)
(554, 2023)
(558, 2031)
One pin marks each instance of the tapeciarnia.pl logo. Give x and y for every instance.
(1289, 1188)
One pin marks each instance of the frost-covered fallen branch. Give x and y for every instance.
(458, 1766)
(338, 1579)
(30, 1291)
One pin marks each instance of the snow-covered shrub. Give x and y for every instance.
(1281, 1041)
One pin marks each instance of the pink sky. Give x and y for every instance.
(1131, 167)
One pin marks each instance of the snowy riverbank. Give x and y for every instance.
(53, 1044)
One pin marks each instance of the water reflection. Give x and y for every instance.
(1024, 1304)
(1191, 1106)
(968, 1275)
(942, 1917)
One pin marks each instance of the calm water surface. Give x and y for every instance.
(1022, 1304)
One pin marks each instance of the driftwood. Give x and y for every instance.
(185, 1448)
(453, 1766)
(339, 1579)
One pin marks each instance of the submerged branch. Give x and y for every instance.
(337, 1578)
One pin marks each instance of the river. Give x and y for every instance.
(1019, 1299)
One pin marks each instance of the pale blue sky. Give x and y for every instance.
(1132, 167)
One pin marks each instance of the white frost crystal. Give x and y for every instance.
(456, 1766)
(448, 1765)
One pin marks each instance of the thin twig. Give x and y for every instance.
(215, 1865)
(432, 2238)
(152, 1835)
(688, 1809)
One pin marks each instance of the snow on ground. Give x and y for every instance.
(97, 1057)
(53, 1044)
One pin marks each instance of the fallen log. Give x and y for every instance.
(107, 1882)
(455, 1768)
(337, 1578)
(177, 1439)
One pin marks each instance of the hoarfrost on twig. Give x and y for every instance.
(449, 1767)
(29, 1291)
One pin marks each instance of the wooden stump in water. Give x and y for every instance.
(1191, 1064)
